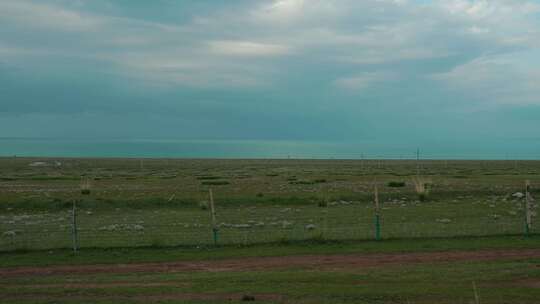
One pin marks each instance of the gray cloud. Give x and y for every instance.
(289, 68)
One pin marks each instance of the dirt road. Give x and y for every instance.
(327, 262)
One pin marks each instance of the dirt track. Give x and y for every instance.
(270, 263)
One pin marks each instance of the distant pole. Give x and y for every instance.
(377, 214)
(362, 161)
(213, 212)
(141, 164)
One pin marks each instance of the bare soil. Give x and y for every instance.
(322, 262)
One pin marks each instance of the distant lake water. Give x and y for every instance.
(260, 149)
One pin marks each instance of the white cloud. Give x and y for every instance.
(363, 81)
(191, 68)
(247, 48)
(236, 46)
(280, 11)
(42, 16)
(478, 30)
(494, 9)
(498, 79)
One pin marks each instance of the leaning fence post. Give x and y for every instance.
(377, 215)
(213, 211)
(476, 296)
(74, 232)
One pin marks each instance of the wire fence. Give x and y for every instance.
(194, 228)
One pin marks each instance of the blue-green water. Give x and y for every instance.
(261, 149)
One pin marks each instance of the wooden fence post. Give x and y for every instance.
(475, 291)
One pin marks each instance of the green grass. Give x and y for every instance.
(469, 208)
(501, 281)
(167, 254)
(215, 183)
(283, 195)
(110, 224)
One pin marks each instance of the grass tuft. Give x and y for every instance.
(422, 188)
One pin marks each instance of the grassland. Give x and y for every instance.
(157, 202)
(152, 211)
(395, 271)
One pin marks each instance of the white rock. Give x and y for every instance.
(242, 226)
(444, 220)
(9, 233)
(286, 224)
(518, 195)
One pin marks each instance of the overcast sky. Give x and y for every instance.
(343, 70)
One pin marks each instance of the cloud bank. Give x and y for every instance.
(290, 69)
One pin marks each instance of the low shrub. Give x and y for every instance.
(248, 298)
(203, 205)
(302, 182)
(422, 188)
(215, 183)
(394, 184)
(208, 177)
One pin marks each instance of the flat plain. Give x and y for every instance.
(288, 231)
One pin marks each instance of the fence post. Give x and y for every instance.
(325, 227)
(377, 215)
(213, 212)
(74, 232)
(528, 217)
(476, 296)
